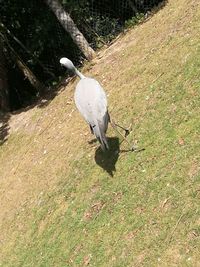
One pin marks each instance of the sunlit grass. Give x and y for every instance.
(73, 212)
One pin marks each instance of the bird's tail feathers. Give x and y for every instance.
(99, 132)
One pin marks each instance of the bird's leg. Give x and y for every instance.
(114, 126)
(113, 123)
(91, 129)
(127, 131)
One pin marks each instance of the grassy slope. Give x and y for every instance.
(60, 208)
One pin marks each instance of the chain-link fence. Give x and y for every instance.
(37, 33)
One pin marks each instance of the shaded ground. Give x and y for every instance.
(4, 127)
(64, 204)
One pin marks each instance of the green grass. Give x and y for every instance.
(72, 211)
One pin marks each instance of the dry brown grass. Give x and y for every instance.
(44, 144)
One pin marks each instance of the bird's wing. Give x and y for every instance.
(90, 100)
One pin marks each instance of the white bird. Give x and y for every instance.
(91, 102)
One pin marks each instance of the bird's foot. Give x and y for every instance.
(127, 132)
(135, 148)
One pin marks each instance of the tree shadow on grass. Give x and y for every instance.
(4, 127)
(108, 159)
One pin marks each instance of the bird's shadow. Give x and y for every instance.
(108, 159)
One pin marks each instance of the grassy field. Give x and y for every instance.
(65, 203)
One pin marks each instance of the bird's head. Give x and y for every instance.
(67, 63)
(64, 61)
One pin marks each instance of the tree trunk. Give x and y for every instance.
(25, 69)
(25, 49)
(30, 76)
(69, 25)
(4, 96)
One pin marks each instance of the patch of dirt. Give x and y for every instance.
(21, 121)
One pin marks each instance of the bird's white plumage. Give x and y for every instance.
(90, 100)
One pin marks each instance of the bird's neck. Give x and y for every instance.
(79, 74)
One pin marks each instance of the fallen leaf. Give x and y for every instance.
(87, 259)
(181, 142)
